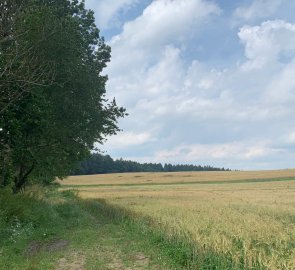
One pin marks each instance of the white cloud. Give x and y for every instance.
(163, 23)
(265, 43)
(290, 138)
(106, 11)
(257, 9)
(127, 139)
(218, 153)
(280, 93)
(184, 110)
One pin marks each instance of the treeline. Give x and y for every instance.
(100, 164)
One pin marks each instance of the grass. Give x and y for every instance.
(234, 224)
(47, 229)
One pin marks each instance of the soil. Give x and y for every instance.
(35, 247)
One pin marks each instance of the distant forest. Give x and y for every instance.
(102, 164)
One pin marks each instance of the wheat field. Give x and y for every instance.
(175, 177)
(242, 219)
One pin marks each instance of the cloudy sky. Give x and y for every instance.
(204, 81)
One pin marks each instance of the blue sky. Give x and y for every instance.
(204, 82)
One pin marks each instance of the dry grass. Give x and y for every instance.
(174, 177)
(252, 222)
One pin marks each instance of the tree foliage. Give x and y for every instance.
(52, 94)
(99, 164)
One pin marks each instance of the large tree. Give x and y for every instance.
(52, 105)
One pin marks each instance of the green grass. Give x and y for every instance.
(96, 236)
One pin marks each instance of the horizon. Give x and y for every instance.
(187, 164)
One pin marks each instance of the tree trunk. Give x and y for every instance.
(21, 180)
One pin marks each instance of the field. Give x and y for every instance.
(224, 220)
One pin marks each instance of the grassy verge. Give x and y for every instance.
(47, 229)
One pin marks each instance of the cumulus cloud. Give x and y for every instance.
(256, 10)
(162, 23)
(266, 43)
(183, 109)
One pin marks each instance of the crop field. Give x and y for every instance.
(229, 220)
(176, 177)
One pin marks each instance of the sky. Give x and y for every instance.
(209, 82)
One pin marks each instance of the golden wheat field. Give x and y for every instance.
(245, 217)
(175, 177)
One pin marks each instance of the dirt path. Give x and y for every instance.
(105, 258)
(93, 240)
(108, 247)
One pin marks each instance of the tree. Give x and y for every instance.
(53, 106)
(97, 164)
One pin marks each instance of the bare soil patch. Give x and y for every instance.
(35, 247)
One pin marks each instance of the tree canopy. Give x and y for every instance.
(100, 164)
(52, 93)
